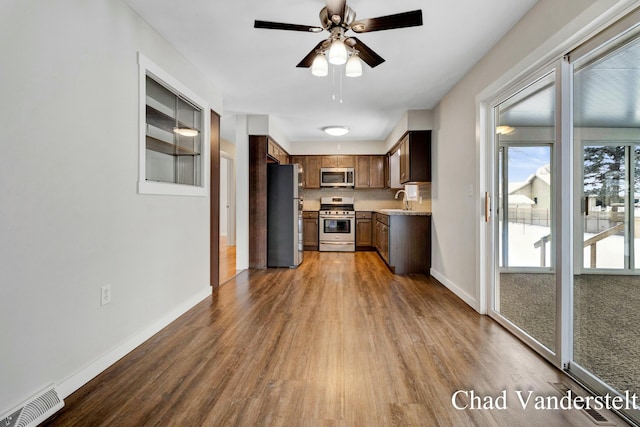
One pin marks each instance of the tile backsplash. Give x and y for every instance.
(368, 199)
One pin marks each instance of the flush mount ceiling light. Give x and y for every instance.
(186, 131)
(336, 130)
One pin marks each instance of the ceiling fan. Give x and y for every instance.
(338, 18)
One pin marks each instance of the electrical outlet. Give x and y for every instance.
(105, 295)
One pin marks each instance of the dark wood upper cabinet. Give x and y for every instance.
(276, 153)
(338, 161)
(362, 172)
(370, 171)
(310, 170)
(415, 157)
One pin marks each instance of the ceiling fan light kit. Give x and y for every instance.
(338, 52)
(354, 67)
(320, 66)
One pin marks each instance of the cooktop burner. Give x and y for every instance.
(336, 206)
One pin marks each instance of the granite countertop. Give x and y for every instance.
(401, 212)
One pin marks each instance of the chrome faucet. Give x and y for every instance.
(405, 202)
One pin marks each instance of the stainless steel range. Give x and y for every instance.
(337, 224)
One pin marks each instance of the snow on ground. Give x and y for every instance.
(522, 253)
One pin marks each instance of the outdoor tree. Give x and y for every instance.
(605, 173)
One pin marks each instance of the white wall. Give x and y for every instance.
(242, 193)
(338, 147)
(456, 200)
(70, 217)
(263, 124)
(224, 196)
(410, 120)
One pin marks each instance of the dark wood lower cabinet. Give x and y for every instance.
(310, 230)
(364, 231)
(404, 242)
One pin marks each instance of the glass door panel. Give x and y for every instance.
(605, 206)
(525, 287)
(606, 285)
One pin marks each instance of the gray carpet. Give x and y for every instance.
(606, 321)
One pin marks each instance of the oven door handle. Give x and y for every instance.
(337, 217)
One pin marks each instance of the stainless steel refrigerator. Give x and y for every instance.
(284, 216)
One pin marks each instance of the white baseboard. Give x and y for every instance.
(464, 296)
(80, 378)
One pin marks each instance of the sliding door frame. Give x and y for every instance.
(616, 25)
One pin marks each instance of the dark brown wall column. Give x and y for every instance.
(214, 213)
(257, 201)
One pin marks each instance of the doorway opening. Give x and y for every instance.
(228, 268)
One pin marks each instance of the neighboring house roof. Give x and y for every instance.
(515, 186)
(520, 199)
(543, 173)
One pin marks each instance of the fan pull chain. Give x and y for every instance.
(341, 85)
(333, 83)
(339, 93)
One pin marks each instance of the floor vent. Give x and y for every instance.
(596, 417)
(35, 410)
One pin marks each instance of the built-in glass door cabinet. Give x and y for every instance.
(173, 137)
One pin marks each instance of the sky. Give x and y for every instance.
(525, 161)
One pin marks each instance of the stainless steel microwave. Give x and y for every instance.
(337, 177)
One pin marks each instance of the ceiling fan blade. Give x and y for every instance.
(307, 61)
(289, 27)
(336, 7)
(366, 53)
(389, 22)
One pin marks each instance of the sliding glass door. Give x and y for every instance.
(524, 293)
(606, 285)
(565, 185)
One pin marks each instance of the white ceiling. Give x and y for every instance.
(256, 68)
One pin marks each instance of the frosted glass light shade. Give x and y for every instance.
(336, 130)
(354, 67)
(320, 66)
(338, 53)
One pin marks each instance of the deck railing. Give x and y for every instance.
(602, 235)
(542, 243)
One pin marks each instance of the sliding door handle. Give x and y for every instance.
(586, 205)
(487, 206)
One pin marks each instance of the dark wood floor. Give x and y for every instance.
(337, 342)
